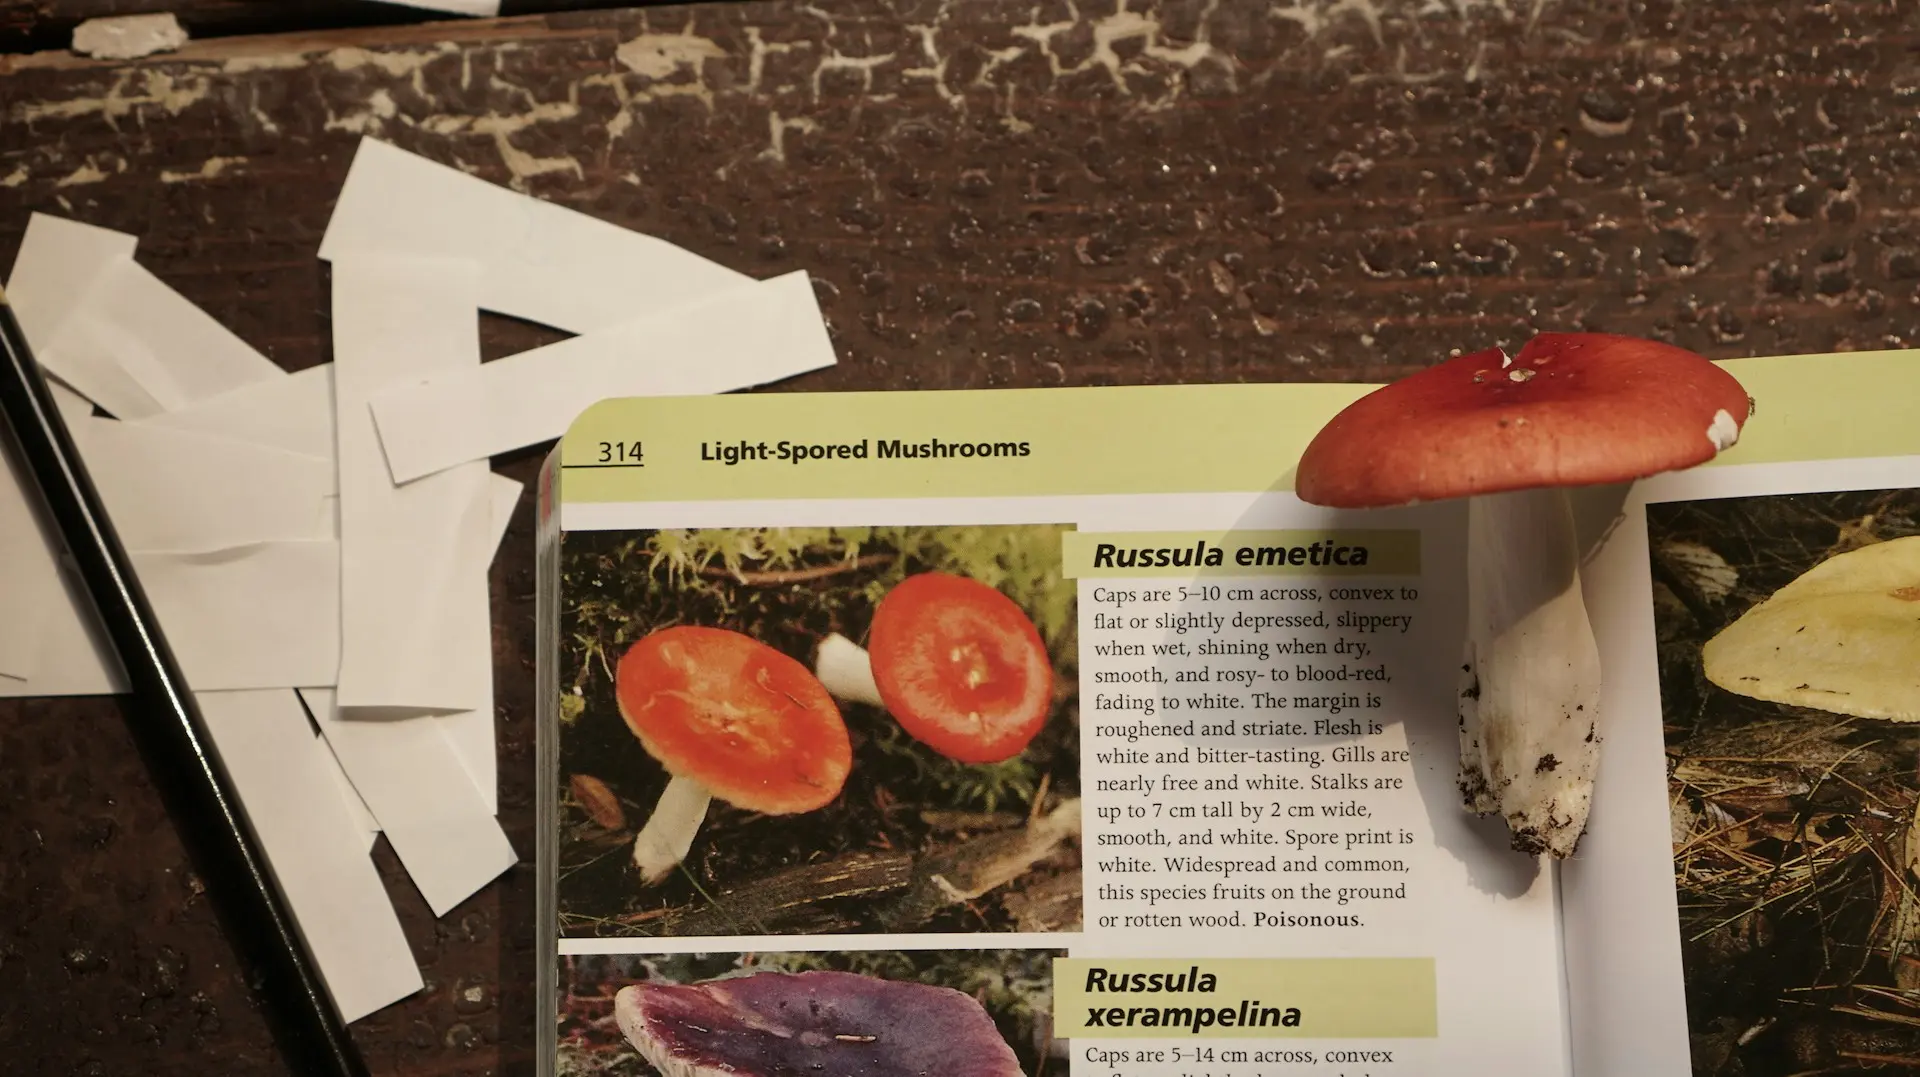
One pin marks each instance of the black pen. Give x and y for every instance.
(166, 723)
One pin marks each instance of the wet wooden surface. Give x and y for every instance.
(988, 193)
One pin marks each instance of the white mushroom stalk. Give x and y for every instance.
(1529, 702)
(846, 671)
(663, 842)
(1509, 433)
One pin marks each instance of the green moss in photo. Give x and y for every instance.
(903, 805)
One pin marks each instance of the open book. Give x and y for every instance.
(1046, 731)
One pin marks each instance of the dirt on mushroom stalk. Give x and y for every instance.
(1799, 925)
(914, 842)
(1015, 987)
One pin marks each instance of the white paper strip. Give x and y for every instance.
(414, 783)
(114, 331)
(541, 262)
(266, 615)
(29, 577)
(356, 807)
(743, 336)
(29, 574)
(168, 489)
(293, 412)
(58, 270)
(75, 659)
(504, 495)
(469, 636)
(316, 848)
(407, 551)
(72, 406)
(176, 352)
(58, 262)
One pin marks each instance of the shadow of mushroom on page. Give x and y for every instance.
(818, 730)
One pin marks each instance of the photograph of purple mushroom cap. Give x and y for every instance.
(1511, 434)
(836, 1013)
(770, 1024)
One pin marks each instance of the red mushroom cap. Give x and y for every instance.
(961, 667)
(1572, 409)
(747, 722)
(837, 1024)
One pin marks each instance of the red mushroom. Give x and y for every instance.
(958, 664)
(728, 717)
(838, 1024)
(1572, 409)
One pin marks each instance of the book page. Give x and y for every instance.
(1743, 897)
(988, 733)
(1752, 828)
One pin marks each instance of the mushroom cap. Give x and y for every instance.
(1572, 409)
(839, 1024)
(747, 722)
(961, 667)
(1843, 637)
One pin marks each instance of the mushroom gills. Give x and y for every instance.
(1529, 705)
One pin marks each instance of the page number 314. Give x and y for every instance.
(621, 452)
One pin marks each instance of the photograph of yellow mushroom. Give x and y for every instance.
(885, 1013)
(845, 729)
(1788, 630)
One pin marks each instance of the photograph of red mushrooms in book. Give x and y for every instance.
(858, 729)
(956, 1013)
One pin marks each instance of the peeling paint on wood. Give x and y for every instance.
(658, 55)
(128, 37)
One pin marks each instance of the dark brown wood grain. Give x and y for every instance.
(31, 25)
(988, 193)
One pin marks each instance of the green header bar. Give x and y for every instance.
(1245, 998)
(1114, 440)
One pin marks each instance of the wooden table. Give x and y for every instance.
(988, 193)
